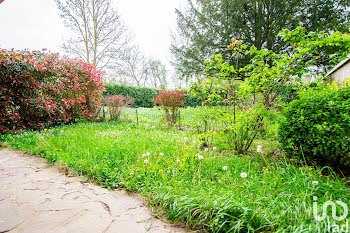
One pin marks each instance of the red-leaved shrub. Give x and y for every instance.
(115, 105)
(38, 89)
(170, 101)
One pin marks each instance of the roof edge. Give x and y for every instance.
(340, 64)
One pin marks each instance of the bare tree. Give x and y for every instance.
(157, 74)
(134, 68)
(100, 36)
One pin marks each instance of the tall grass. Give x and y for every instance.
(205, 190)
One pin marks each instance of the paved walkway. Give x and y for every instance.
(35, 197)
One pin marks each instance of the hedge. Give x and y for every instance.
(144, 96)
(191, 100)
(317, 125)
(38, 89)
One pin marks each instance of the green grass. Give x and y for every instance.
(163, 164)
(189, 117)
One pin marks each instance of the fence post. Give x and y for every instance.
(103, 112)
(137, 117)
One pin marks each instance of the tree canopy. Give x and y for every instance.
(206, 27)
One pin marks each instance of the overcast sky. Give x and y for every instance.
(35, 24)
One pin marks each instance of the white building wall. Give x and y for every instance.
(342, 73)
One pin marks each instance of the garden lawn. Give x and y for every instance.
(190, 117)
(206, 190)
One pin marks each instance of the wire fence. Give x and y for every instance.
(190, 118)
(186, 119)
(152, 116)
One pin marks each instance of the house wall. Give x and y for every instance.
(342, 73)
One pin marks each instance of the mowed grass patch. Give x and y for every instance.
(206, 190)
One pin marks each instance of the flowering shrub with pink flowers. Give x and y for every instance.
(38, 89)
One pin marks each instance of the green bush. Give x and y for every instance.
(191, 100)
(288, 92)
(144, 96)
(317, 125)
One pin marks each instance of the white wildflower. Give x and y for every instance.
(148, 154)
(153, 127)
(146, 161)
(244, 175)
(259, 149)
(200, 156)
(315, 182)
(206, 149)
(214, 148)
(143, 155)
(224, 167)
(161, 154)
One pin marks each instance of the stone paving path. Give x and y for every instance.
(35, 197)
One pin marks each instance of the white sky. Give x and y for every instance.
(35, 24)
